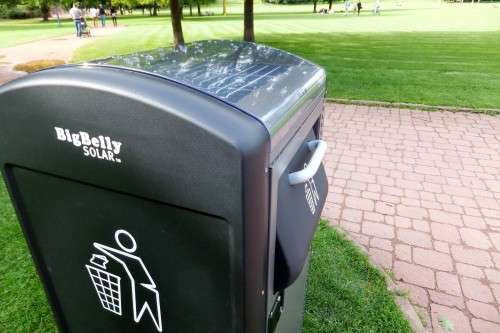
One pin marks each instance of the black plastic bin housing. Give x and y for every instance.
(170, 191)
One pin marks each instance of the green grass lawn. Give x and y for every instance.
(345, 293)
(13, 32)
(424, 51)
(24, 307)
(434, 68)
(431, 53)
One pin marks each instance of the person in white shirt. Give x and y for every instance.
(76, 15)
(347, 7)
(376, 8)
(93, 14)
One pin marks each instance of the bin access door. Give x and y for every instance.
(114, 262)
(300, 201)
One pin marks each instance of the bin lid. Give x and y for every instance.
(268, 83)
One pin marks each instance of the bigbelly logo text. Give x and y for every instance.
(100, 147)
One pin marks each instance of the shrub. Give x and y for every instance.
(18, 12)
(36, 65)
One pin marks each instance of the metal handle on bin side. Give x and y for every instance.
(319, 148)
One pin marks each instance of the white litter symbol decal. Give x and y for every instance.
(145, 297)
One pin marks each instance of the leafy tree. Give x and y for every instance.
(145, 4)
(198, 7)
(176, 17)
(198, 4)
(121, 4)
(248, 33)
(152, 5)
(189, 4)
(9, 3)
(155, 8)
(45, 9)
(43, 5)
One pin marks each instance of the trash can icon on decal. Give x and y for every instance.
(145, 297)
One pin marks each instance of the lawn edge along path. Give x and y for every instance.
(413, 106)
(401, 300)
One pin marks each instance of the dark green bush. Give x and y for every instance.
(18, 12)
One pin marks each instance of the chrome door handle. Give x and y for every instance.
(319, 148)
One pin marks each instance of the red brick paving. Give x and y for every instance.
(420, 192)
(7, 74)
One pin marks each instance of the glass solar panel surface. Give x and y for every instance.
(260, 80)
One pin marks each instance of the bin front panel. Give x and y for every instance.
(113, 262)
(187, 154)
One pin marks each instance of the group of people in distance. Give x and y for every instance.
(100, 13)
(354, 7)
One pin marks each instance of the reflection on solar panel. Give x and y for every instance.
(226, 81)
(257, 79)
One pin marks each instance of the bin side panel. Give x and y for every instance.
(298, 212)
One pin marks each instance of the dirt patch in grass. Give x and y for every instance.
(36, 65)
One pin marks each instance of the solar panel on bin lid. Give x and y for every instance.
(259, 79)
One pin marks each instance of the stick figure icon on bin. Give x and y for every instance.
(145, 296)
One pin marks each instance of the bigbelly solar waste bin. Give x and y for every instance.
(170, 191)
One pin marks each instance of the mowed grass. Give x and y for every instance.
(434, 68)
(423, 52)
(14, 32)
(24, 307)
(345, 293)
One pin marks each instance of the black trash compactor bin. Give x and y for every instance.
(170, 191)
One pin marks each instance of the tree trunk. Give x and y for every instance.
(175, 14)
(224, 7)
(199, 7)
(330, 4)
(315, 5)
(155, 9)
(190, 9)
(143, 10)
(150, 12)
(45, 9)
(248, 34)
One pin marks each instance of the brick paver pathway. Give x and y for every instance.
(420, 191)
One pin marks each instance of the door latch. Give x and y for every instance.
(276, 311)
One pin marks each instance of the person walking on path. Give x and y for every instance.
(93, 14)
(359, 6)
(376, 9)
(113, 16)
(347, 6)
(76, 15)
(102, 15)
